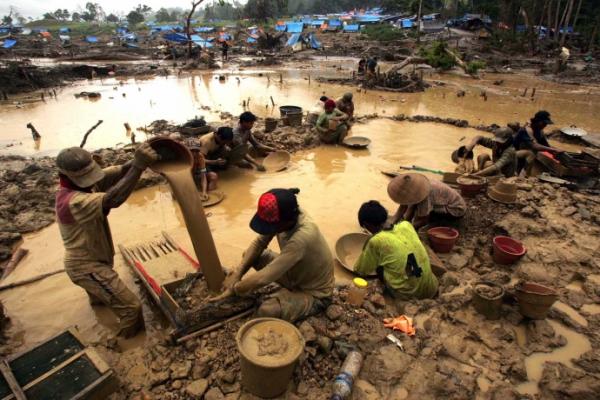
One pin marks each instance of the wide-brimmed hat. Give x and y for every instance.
(504, 191)
(409, 189)
(502, 135)
(78, 165)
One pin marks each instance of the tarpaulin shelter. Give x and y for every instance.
(204, 29)
(64, 30)
(314, 43)
(368, 19)
(201, 42)
(91, 39)
(281, 26)
(224, 36)
(8, 43)
(293, 40)
(407, 23)
(175, 37)
(39, 30)
(351, 28)
(45, 34)
(251, 40)
(317, 22)
(295, 27)
(335, 23)
(122, 30)
(129, 37)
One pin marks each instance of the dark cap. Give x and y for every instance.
(542, 116)
(274, 207)
(502, 135)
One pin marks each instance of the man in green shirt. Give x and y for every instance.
(396, 254)
(332, 124)
(504, 155)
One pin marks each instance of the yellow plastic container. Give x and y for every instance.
(358, 291)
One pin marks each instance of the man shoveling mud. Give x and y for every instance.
(304, 268)
(242, 137)
(396, 254)
(83, 201)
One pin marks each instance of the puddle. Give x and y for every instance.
(577, 344)
(571, 312)
(590, 309)
(141, 101)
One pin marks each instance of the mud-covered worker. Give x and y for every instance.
(209, 158)
(243, 138)
(83, 202)
(396, 254)
(372, 65)
(531, 139)
(304, 266)
(504, 156)
(346, 105)
(331, 124)
(225, 50)
(425, 202)
(464, 160)
(362, 66)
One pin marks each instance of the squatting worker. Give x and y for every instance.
(425, 202)
(83, 201)
(396, 254)
(346, 105)
(208, 153)
(504, 156)
(242, 138)
(332, 125)
(304, 267)
(531, 139)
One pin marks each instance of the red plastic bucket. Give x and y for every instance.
(442, 239)
(507, 250)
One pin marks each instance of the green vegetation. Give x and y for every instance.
(474, 66)
(383, 32)
(437, 57)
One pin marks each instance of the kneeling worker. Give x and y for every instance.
(504, 155)
(423, 201)
(304, 268)
(83, 201)
(396, 254)
(332, 125)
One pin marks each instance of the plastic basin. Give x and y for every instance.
(171, 154)
(507, 250)
(534, 299)
(471, 185)
(442, 239)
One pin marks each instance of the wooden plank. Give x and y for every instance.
(100, 389)
(71, 330)
(97, 361)
(18, 392)
(54, 370)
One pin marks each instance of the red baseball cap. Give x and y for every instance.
(274, 207)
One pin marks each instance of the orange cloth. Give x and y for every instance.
(401, 323)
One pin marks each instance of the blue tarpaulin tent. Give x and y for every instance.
(295, 27)
(129, 37)
(204, 29)
(280, 28)
(407, 23)
(334, 23)
(293, 39)
(8, 43)
(64, 30)
(4, 29)
(314, 43)
(200, 41)
(122, 30)
(368, 19)
(351, 28)
(317, 22)
(91, 39)
(175, 37)
(251, 40)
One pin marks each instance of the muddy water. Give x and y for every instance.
(141, 101)
(184, 190)
(577, 344)
(571, 312)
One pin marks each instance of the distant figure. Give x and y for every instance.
(332, 124)
(346, 105)
(362, 65)
(208, 158)
(225, 50)
(371, 66)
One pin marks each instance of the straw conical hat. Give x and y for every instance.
(409, 189)
(503, 192)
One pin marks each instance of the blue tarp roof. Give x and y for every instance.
(8, 43)
(295, 27)
(368, 18)
(280, 28)
(175, 37)
(314, 43)
(122, 29)
(317, 22)
(251, 40)
(200, 41)
(407, 23)
(335, 22)
(225, 36)
(351, 28)
(130, 37)
(204, 29)
(39, 30)
(91, 39)
(4, 30)
(64, 30)
(293, 39)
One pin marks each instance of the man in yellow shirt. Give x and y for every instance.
(396, 254)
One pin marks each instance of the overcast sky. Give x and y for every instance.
(36, 8)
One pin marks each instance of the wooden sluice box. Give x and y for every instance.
(61, 368)
(164, 268)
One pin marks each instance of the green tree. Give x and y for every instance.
(7, 19)
(134, 17)
(143, 9)
(162, 15)
(75, 17)
(49, 16)
(112, 18)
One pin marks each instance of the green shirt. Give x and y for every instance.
(323, 121)
(390, 249)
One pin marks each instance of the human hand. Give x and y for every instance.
(144, 156)
(226, 294)
(220, 162)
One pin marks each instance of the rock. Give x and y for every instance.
(584, 213)
(367, 305)
(529, 212)
(567, 212)
(228, 388)
(385, 365)
(158, 378)
(200, 370)
(176, 384)
(334, 312)
(214, 394)
(302, 388)
(307, 331)
(363, 390)
(197, 388)
(181, 370)
(229, 377)
(325, 344)
(458, 261)
(378, 300)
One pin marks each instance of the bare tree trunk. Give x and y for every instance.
(549, 22)
(577, 14)
(593, 38)
(529, 28)
(556, 20)
(566, 22)
(419, 22)
(543, 13)
(188, 26)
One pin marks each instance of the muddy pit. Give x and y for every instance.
(455, 350)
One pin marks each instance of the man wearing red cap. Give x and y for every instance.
(304, 267)
(332, 124)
